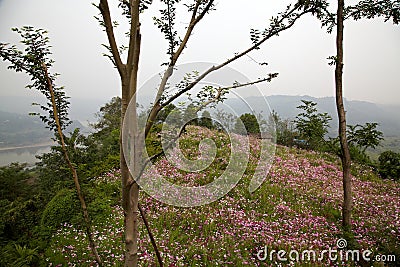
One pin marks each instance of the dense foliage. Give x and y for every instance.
(389, 165)
(250, 123)
(34, 202)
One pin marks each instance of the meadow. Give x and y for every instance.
(298, 207)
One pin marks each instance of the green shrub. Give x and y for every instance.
(250, 123)
(15, 255)
(61, 208)
(18, 218)
(100, 210)
(389, 165)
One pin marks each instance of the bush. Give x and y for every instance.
(250, 123)
(61, 208)
(389, 165)
(13, 181)
(18, 218)
(16, 255)
(311, 125)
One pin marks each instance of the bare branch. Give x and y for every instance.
(271, 33)
(153, 242)
(169, 145)
(133, 33)
(221, 90)
(194, 20)
(105, 12)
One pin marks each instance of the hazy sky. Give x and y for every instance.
(372, 49)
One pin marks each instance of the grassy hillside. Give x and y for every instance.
(298, 207)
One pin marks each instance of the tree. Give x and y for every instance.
(170, 110)
(128, 71)
(190, 114)
(109, 117)
(224, 120)
(311, 125)
(36, 63)
(363, 9)
(103, 145)
(364, 136)
(205, 120)
(250, 123)
(284, 129)
(13, 179)
(18, 205)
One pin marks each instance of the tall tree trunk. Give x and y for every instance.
(346, 162)
(130, 193)
(130, 215)
(130, 189)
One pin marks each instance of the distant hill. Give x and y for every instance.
(82, 110)
(358, 112)
(18, 129)
(22, 129)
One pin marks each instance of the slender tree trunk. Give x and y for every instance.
(128, 74)
(89, 232)
(346, 162)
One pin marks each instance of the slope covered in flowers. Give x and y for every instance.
(297, 208)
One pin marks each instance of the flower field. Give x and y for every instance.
(298, 207)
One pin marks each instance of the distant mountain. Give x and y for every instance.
(22, 129)
(358, 112)
(19, 130)
(82, 110)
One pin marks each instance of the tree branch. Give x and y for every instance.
(222, 89)
(372, 8)
(203, 105)
(157, 106)
(153, 242)
(168, 73)
(194, 20)
(105, 12)
(133, 32)
(237, 56)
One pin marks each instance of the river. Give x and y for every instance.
(22, 154)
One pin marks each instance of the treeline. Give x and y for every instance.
(309, 130)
